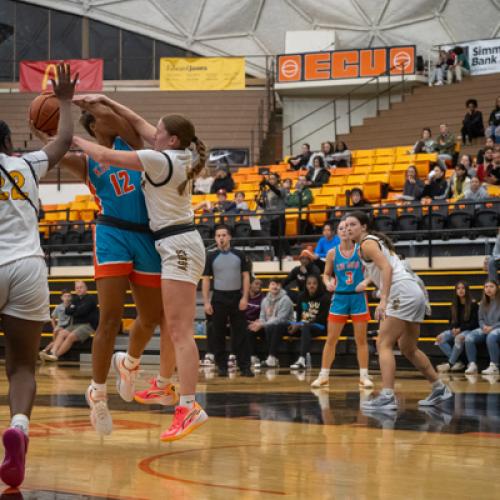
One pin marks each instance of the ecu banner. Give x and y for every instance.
(202, 73)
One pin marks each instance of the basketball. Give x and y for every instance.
(44, 113)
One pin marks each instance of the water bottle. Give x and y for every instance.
(308, 361)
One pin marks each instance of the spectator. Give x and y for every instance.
(84, 319)
(493, 130)
(425, 144)
(299, 274)
(459, 182)
(223, 180)
(460, 66)
(436, 187)
(487, 164)
(488, 331)
(466, 161)
(255, 298)
(357, 199)
(473, 125)
(287, 186)
(475, 191)
(241, 204)
(489, 143)
(299, 161)
(492, 174)
(222, 204)
(312, 309)
(326, 152)
(463, 319)
(203, 183)
(413, 187)
(341, 156)
(60, 320)
(231, 281)
(318, 174)
(272, 198)
(275, 315)
(302, 196)
(445, 145)
(492, 262)
(439, 69)
(328, 241)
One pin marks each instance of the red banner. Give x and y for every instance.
(35, 76)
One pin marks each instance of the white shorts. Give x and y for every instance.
(182, 257)
(406, 301)
(24, 290)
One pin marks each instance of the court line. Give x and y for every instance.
(109, 496)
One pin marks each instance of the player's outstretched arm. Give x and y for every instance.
(64, 89)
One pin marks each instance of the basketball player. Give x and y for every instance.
(400, 312)
(168, 171)
(124, 255)
(24, 292)
(347, 301)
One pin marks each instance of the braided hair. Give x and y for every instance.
(4, 134)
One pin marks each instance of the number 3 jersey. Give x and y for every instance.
(118, 191)
(348, 271)
(19, 237)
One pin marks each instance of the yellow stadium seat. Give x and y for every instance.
(320, 216)
(342, 171)
(397, 179)
(363, 153)
(384, 160)
(83, 197)
(356, 179)
(246, 186)
(291, 223)
(337, 180)
(385, 152)
(329, 190)
(325, 199)
(212, 197)
(381, 169)
(378, 177)
(363, 161)
(363, 169)
(493, 190)
(372, 191)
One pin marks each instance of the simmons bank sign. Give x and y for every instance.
(342, 64)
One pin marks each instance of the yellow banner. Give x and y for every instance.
(202, 73)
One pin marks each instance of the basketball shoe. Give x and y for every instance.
(185, 421)
(365, 382)
(100, 418)
(154, 395)
(125, 378)
(321, 381)
(15, 442)
(382, 402)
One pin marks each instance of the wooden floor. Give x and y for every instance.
(269, 437)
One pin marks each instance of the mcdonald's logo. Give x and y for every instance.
(341, 64)
(50, 73)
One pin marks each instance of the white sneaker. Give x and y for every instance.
(100, 418)
(437, 396)
(443, 368)
(365, 382)
(271, 362)
(491, 370)
(231, 362)
(439, 83)
(457, 367)
(125, 378)
(208, 360)
(300, 364)
(471, 369)
(255, 361)
(380, 403)
(321, 381)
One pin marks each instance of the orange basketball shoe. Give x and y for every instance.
(185, 421)
(154, 395)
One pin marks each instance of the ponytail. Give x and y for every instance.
(194, 170)
(387, 241)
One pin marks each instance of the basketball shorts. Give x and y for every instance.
(118, 252)
(354, 305)
(406, 301)
(24, 289)
(182, 257)
(83, 331)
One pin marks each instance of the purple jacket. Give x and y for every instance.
(252, 312)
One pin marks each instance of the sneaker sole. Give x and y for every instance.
(436, 401)
(161, 400)
(201, 420)
(391, 407)
(13, 467)
(92, 422)
(116, 369)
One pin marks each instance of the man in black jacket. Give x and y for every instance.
(84, 319)
(300, 161)
(299, 274)
(223, 180)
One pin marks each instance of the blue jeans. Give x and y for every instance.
(473, 337)
(445, 342)
(492, 343)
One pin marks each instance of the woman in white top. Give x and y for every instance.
(203, 182)
(400, 311)
(24, 291)
(169, 169)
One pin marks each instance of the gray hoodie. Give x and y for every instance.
(496, 249)
(276, 309)
(490, 316)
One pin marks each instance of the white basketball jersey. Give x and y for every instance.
(19, 237)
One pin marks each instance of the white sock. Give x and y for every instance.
(187, 401)
(98, 387)
(363, 372)
(21, 422)
(130, 362)
(387, 391)
(324, 372)
(162, 382)
(438, 384)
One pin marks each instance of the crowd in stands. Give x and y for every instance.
(450, 65)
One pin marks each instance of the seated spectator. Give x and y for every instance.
(445, 145)
(241, 204)
(488, 331)
(492, 262)
(328, 241)
(492, 174)
(297, 276)
(489, 143)
(460, 66)
(276, 313)
(223, 180)
(439, 69)
(326, 152)
(493, 129)
(302, 196)
(459, 182)
(223, 204)
(312, 310)
(300, 161)
(60, 320)
(413, 187)
(341, 155)
(436, 186)
(318, 174)
(357, 199)
(463, 319)
(425, 144)
(203, 182)
(252, 313)
(475, 191)
(467, 162)
(473, 125)
(486, 165)
(84, 319)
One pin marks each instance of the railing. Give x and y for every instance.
(350, 110)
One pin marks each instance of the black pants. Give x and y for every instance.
(307, 332)
(471, 132)
(277, 228)
(226, 308)
(274, 334)
(252, 340)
